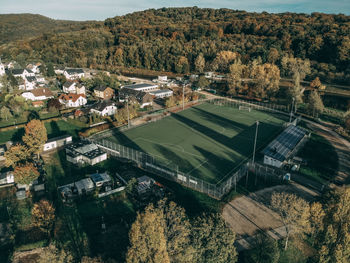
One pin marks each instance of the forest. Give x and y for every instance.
(172, 39)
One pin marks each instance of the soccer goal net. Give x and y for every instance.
(247, 108)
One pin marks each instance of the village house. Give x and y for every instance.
(104, 92)
(34, 67)
(141, 87)
(30, 83)
(7, 178)
(21, 73)
(59, 70)
(73, 87)
(72, 100)
(38, 94)
(2, 69)
(104, 108)
(74, 73)
(84, 152)
(162, 93)
(57, 142)
(143, 98)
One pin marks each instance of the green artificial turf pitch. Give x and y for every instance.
(206, 141)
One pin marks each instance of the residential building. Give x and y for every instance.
(143, 98)
(38, 94)
(59, 70)
(30, 82)
(85, 153)
(104, 92)
(2, 69)
(74, 73)
(34, 67)
(101, 179)
(7, 178)
(162, 93)
(38, 103)
(141, 87)
(144, 185)
(284, 146)
(72, 100)
(22, 73)
(57, 142)
(104, 108)
(73, 87)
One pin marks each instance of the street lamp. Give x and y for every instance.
(183, 97)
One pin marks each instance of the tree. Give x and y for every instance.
(5, 113)
(265, 250)
(317, 216)
(273, 55)
(266, 79)
(235, 77)
(35, 136)
(171, 102)
(54, 105)
(17, 153)
(315, 104)
(147, 238)
(54, 255)
(5, 85)
(199, 63)
(316, 83)
(293, 211)
(26, 173)
(43, 216)
(333, 242)
(223, 59)
(177, 231)
(202, 82)
(213, 240)
(50, 71)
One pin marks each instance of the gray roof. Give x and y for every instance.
(101, 88)
(139, 86)
(18, 71)
(281, 147)
(72, 71)
(161, 91)
(68, 83)
(138, 95)
(84, 148)
(31, 79)
(101, 105)
(100, 177)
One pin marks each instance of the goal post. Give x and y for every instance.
(246, 108)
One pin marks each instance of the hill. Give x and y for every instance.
(171, 39)
(21, 26)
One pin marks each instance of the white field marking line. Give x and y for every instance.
(195, 168)
(182, 149)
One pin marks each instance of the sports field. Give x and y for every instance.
(206, 141)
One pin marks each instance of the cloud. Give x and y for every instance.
(102, 9)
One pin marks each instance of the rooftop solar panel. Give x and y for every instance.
(284, 144)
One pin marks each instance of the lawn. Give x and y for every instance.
(206, 141)
(54, 128)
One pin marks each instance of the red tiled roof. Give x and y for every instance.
(42, 92)
(71, 96)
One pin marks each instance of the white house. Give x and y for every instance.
(7, 178)
(162, 93)
(104, 108)
(30, 83)
(59, 70)
(73, 87)
(72, 100)
(57, 142)
(2, 69)
(22, 73)
(74, 73)
(38, 94)
(284, 146)
(35, 68)
(85, 152)
(142, 87)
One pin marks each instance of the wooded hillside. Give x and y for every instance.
(171, 39)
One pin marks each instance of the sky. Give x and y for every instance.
(102, 9)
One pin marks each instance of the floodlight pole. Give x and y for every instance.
(127, 108)
(256, 135)
(291, 111)
(183, 97)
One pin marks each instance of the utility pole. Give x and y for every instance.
(183, 97)
(291, 110)
(256, 135)
(127, 108)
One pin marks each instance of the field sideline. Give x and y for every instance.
(206, 141)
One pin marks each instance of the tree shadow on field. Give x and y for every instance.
(183, 164)
(124, 140)
(55, 130)
(219, 120)
(17, 136)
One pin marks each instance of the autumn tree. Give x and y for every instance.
(25, 173)
(35, 136)
(235, 77)
(182, 65)
(266, 78)
(316, 83)
(5, 113)
(317, 215)
(273, 56)
(17, 153)
(199, 63)
(177, 231)
(43, 216)
(315, 105)
(333, 240)
(294, 213)
(265, 250)
(54, 255)
(202, 82)
(223, 60)
(147, 238)
(213, 240)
